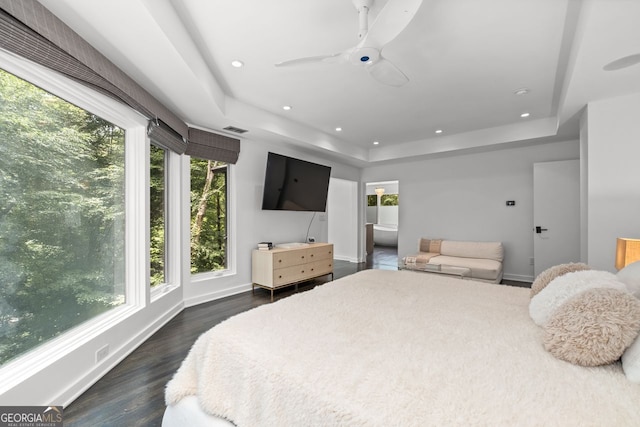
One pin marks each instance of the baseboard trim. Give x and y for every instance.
(72, 392)
(221, 293)
(518, 277)
(345, 258)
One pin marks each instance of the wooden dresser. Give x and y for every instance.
(280, 267)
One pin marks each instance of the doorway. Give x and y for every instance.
(556, 214)
(382, 206)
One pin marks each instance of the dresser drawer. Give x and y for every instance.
(321, 252)
(284, 266)
(288, 258)
(301, 272)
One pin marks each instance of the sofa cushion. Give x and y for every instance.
(425, 256)
(485, 250)
(419, 258)
(487, 269)
(430, 245)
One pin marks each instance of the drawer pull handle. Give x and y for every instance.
(280, 277)
(303, 271)
(311, 255)
(302, 257)
(279, 260)
(312, 269)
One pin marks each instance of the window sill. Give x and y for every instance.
(20, 369)
(159, 291)
(211, 275)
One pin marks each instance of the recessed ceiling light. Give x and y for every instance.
(286, 107)
(522, 91)
(237, 64)
(338, 129)
(524, 115)
(375, 143)
(438, 130)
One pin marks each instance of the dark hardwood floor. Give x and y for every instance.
(132, 394)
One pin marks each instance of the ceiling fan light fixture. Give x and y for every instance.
(624, 62)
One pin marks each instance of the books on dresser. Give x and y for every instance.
(265, 246)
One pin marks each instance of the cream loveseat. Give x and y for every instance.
(483, 259)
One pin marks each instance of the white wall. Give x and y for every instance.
(342, 209)
(388, 215)
(463, 198)
(612, 146)
(253, 225)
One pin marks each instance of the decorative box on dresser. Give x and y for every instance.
(286, 266)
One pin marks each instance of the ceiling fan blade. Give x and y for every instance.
(386, 73)
(335, 58)
(391, 21)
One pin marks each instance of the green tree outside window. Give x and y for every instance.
(157, 245)
(209, 182)
(389, 200)
(62, 216)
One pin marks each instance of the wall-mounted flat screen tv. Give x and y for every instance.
(295, 185)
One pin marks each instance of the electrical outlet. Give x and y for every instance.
(530, 261)
(102, 353)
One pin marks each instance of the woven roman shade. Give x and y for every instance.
(28, 29)
(211, 146)
(163, 136)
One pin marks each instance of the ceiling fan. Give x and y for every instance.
(391, 21)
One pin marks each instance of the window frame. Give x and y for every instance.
(231, 269)
(136, 221)
(171, 226)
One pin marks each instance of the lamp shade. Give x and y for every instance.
(627, 251)
(379, 191)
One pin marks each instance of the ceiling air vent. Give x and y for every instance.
(235, 129)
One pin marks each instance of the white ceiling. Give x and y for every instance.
(464, 58)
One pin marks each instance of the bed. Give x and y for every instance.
(389, 348)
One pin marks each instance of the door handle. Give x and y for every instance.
(540, 229)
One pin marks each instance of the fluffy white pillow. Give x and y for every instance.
(630, 276)
(551, 273)
(594, 327)
(631, 361)
(560, 289)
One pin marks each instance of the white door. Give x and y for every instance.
(342, 210)
(556, 214)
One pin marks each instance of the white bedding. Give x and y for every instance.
(397, 348)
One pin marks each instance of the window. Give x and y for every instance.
(157, 184)
(209, 185)
(372, 200)
(389, 200)
(62, 216)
